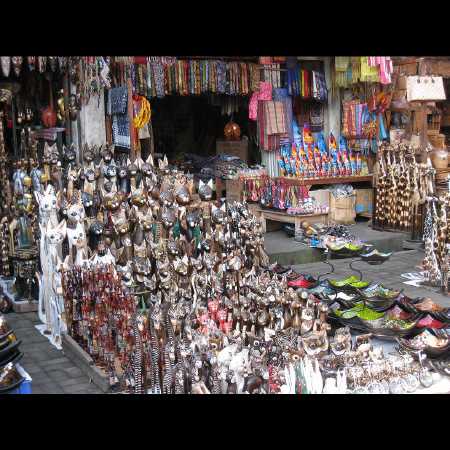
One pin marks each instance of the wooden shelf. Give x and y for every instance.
(333, 180)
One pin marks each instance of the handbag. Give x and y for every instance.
(424, 88)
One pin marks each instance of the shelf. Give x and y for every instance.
(333, 180)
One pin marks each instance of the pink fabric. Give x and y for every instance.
(253, 107)
(265, 91)
(385, 68)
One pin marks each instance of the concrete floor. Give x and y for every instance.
(286, 250)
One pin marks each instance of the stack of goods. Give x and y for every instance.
(402, 185)
(11, 375)
(309, 157)
(221, 166)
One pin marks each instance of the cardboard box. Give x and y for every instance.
(322, 196)
(342, 210)
(364, 201)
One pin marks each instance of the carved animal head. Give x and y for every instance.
(193, 218)
(75, 211)
(205, 190)
(138, 198)
(55, 235)
(182, 195)
(77, 236)
(166, 197)
(69, 154)
(111, 201)
(110, 171)
(132, 168)
(219, 215)
(315, 342)
(96, 228)
(172, 247)
(168, 217)
(181, 266)
(122, 172)
(87, 200)
(146, 223)
(47, 201)
(122, 226)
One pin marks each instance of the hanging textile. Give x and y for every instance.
(275, 117)
(117, 107)
(368, 73)
(319, 86)
(356, 69)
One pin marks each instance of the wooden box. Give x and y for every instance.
(364, 201)
(234, 148)
(342, 210)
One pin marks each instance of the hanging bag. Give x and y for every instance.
(424, 88)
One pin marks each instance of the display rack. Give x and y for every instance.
(330, 180)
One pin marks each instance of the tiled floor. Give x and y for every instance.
(54, 373)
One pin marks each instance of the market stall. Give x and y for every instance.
(154, 283)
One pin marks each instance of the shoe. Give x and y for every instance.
(303, 281)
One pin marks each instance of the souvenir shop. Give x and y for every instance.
(138, 236)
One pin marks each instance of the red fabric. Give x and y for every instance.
(140, 60)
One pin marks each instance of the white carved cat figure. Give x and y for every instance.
(51, 242)
(76, 212)
(55, 237)
(48, 205)
(77, 239)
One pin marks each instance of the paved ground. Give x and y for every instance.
(54, 373)
(51, 371)
(287, 251)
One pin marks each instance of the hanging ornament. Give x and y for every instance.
(17, 64)
(31, 62)
(6, 65)
(52, 61)
(232, 131)
(42, 63)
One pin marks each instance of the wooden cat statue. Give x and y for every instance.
(51, 243)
